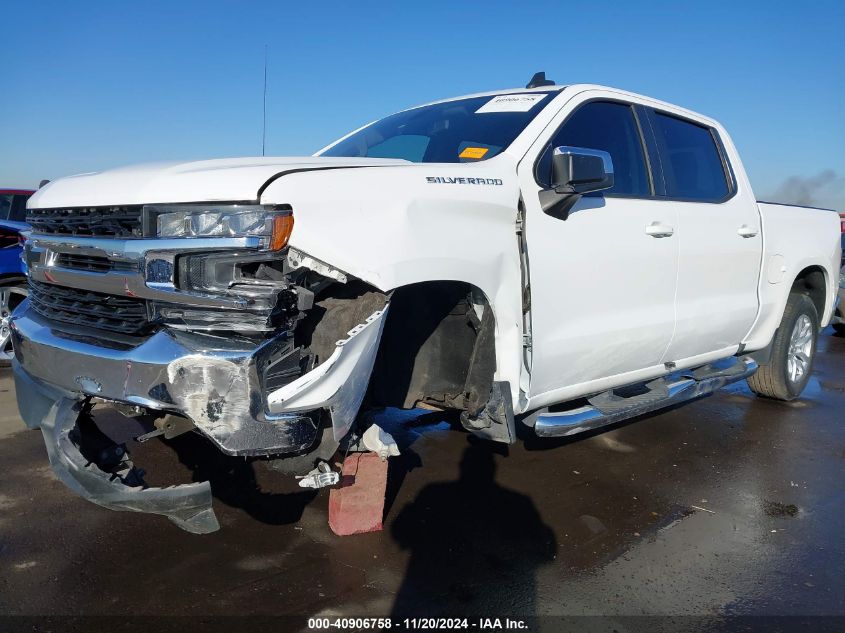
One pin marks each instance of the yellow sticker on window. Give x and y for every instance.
(473, 152)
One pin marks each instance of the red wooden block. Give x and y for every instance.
(357, 506)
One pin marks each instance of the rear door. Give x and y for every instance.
(719, 237)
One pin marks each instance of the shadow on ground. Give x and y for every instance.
(462, 534)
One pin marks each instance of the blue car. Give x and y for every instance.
(13, 287)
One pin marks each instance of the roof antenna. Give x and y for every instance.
(538, 80)
(264, 105)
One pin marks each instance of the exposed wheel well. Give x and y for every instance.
(438, 348)
(812, 281)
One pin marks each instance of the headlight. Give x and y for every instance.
(273, 223)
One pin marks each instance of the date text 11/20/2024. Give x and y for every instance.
(483, 624)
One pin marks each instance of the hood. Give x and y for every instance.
(229, 179)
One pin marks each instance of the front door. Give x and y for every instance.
(602, 281)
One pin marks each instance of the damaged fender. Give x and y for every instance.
(340, 383)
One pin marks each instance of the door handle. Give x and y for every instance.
(746, 231)
(656, 229)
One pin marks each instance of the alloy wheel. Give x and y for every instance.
(10, 297)
(800, 352)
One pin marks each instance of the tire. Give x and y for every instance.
(12, 293)
(793, 351)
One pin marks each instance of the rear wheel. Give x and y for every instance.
(793, 350)
(12, 293)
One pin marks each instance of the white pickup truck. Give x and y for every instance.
(557, 258)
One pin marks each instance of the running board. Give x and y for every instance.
(608, 407)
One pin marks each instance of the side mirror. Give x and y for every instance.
(577, 170)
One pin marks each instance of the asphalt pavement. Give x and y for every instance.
(730, 505)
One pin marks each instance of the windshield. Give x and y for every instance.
(459, 131)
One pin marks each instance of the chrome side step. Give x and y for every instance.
(608, 407)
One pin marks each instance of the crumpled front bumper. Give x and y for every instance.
(187, 505)
(216, 383)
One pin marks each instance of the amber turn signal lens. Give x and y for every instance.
(282, 228)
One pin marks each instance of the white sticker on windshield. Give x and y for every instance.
(510, 103)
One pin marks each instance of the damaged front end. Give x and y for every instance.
(107, 476)
(201, 311)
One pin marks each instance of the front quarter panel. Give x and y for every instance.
(395, 226)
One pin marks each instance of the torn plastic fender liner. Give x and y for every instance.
(340, 383)
(56, 413)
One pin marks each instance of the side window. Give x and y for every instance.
(692, 164)
(18, 212)
(5, 206)
(608, 126)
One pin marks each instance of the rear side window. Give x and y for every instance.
(607, 126)
(6, 205)
(18, 210)
(692, 163)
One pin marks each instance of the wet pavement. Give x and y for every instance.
(728, 505)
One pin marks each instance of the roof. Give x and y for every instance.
(493, 93)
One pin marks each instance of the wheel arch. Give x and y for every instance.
(811, 276)
(18, 278)
(813, 280)
(438, 347)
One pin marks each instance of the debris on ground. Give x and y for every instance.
(380, 442)
(778, 509)
(321, 477)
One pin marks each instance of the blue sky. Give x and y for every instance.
(92, 85)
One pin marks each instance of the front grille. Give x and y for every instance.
(89, 309)
(116, 222)
(93, 264)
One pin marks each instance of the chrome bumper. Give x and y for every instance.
(56, 412)
(212, 381)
